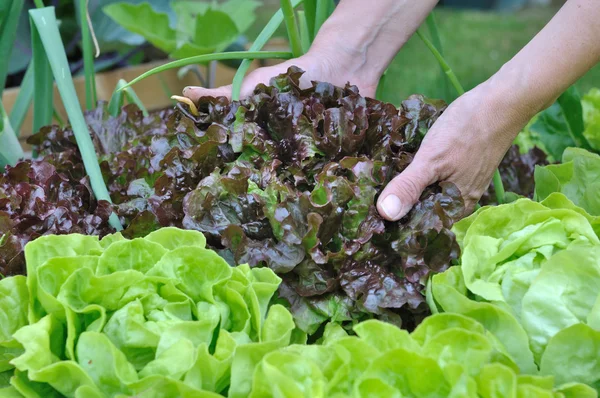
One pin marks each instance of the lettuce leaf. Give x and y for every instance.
(119, 317)
(529, 273)
(578, 177)
(447, 355)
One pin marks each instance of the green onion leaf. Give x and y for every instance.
(117, 99)
(211, 57)
(45, 26)
(23, 101)
(292, 27)
(42, 83)
(305, 39)
(10, 149)
(8, 32)
(88, 56)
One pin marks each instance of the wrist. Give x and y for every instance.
(508, 101)
(348, 56)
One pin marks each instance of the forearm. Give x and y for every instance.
(370, 33)
(560, 54)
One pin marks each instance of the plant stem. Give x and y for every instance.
(21, 106)
(117, 98)
(42, 84)
(133, 98)
(445, 67)
(292, 27)
(321, 14)
(212, 57)
(39, 3)
(498, 185)
(258, 44)
(437, 42)
(310, 13)
(45, 27)
(10, 148)
(57, 117)
(8, 32)
(88, 56)
(305, 40)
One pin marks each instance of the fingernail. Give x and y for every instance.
(392, 206)
(188, 88)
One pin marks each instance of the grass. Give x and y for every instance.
(476, 45)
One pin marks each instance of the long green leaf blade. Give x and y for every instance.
(305, 40)
(292, 27)
(212, 57)
(321, 14)
(8, 32)
(88, 56)
(10, 149)
(23, 101)
(42, 83)
(310, 13)
(437, 42)
(46, 27)
(117, 99)
(262, 39)
(133, 98)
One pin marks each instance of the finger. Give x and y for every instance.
(400, 195)
(194, 93)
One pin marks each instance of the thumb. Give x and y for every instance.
(195, 93)
(400, 195)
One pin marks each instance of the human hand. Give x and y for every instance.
(317, 66)
(464, 146)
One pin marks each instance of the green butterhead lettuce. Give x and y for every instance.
(578, 177)
(530, 274)
(154, 316)
(448, 355)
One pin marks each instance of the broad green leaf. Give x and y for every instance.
(578, 177)
(242, 12)
(14, 301)
(552, 129)
(570, 103)
(572, 355)
(287, 374)
(413, 375)
(144, 20)
(137, 254)
(385, 337)
(560, 295)
(450, 293)
(496, 380)
(276, 333)
(173, 238)
(104, 363)
(214, 29)
(591, 117)
(198, 271)
(44, 248)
